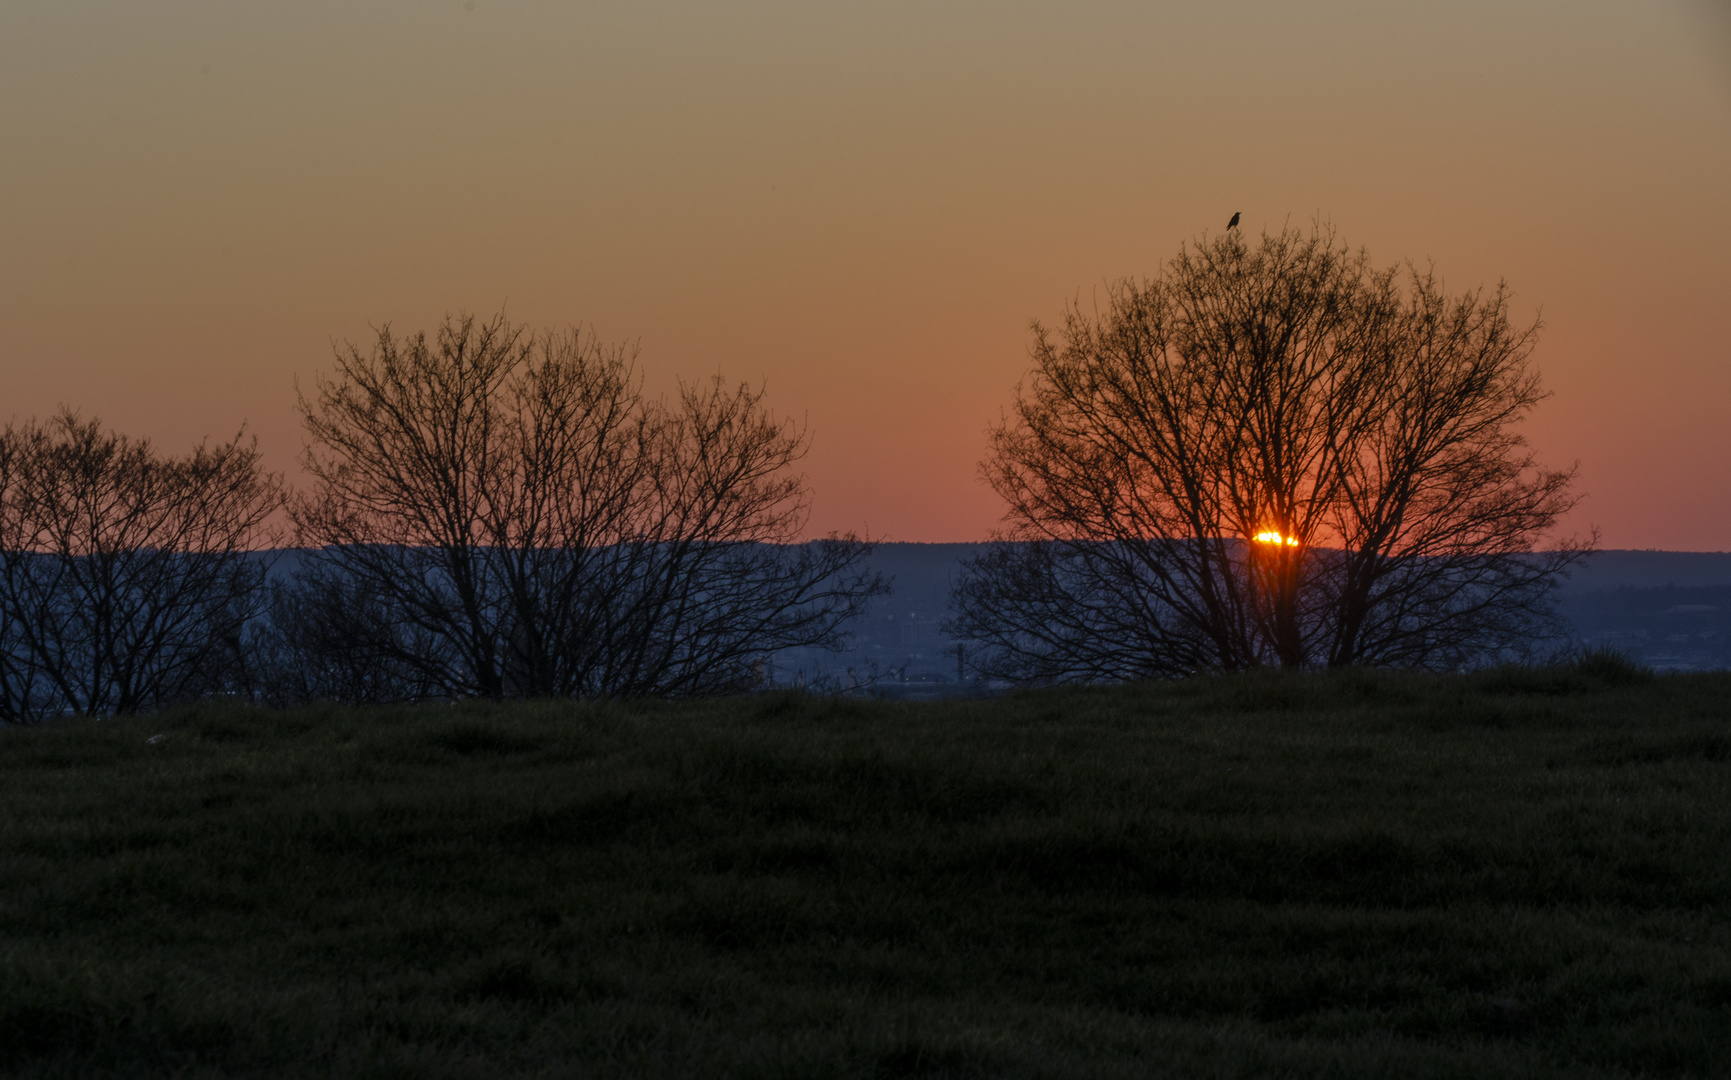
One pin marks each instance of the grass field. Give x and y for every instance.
(1517, 873)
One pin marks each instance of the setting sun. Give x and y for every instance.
(1272, 537)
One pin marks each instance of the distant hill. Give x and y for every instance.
(1671, 609)
(1606, 570)
(921, 573)
(925, 570)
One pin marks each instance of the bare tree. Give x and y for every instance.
(1278, 455)
(126, 576)
(500, 513)
(328, 638)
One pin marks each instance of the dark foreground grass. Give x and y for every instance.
(1512, 874)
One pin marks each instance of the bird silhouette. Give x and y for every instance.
(1233, 224)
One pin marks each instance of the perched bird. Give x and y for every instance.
(1233, 224)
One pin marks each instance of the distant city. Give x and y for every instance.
(1668, 610)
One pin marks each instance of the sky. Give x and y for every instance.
(861, 204)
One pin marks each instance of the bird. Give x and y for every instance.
(1233, 224)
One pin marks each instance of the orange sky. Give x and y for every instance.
(862, 203)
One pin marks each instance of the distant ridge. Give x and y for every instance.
(1628, 569)
(1670, 610)
(927, 569)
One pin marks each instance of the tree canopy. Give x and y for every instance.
(1276, 454)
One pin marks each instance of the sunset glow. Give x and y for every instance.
(860, 206)
(1272, 537)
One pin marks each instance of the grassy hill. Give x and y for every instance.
(1513, 873)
